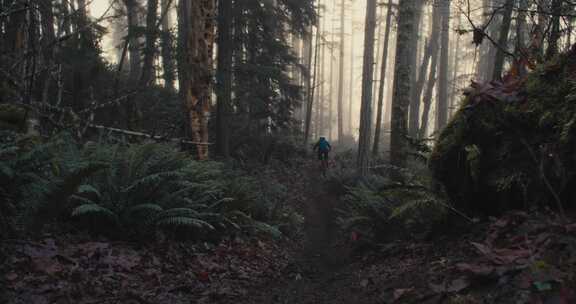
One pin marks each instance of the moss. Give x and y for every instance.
(511, 139)
(12, 117)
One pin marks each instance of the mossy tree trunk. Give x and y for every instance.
(402, 83)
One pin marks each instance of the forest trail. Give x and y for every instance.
(319, 271)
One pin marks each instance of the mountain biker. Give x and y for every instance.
(323, 147)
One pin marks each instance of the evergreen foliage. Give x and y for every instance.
(128, 191)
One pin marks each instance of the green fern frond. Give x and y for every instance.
(270, 230)
(94, 210)
(182, 221)
(178, 212)
(89, 190)
(415, 205)
(143, 214)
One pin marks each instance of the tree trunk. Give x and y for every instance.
(520, 47)
(224, 77)
(309, 84)
(554, 34)
(414, 43)
(147, 76)
(429, 91)
(442, 102)
(196, 32)
(383, 67)
(48, 38)
(367, 78)
(351, 79)
(502, 40)
(167, 47)
(402, 83)
(341, 74)
(455, 67)
(134, 42)
(432, 46)
(331, 88)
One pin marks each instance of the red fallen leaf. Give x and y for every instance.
(354, 236)
(203, 276)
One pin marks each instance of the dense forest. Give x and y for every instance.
(287, 151)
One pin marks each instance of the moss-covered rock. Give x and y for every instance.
(12, 117)
(512, 145)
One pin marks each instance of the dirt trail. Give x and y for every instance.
(318, 273)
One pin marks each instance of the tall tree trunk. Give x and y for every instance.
(309, 84)
(502, 40)
(134, 42)
(351, 77)
(367, 78)
(427, 100)
(432, 46)
(554, 34)
(319, 119)
(196, 32)
(167, 42)
(442, 102)
(455, 67)
(383, 67)
(224, 77)
(331, 88)
(48, 38)
(414, 47)
(402, 83)
(147, 76)
(520, 47)
(341, 73)
(378, 45)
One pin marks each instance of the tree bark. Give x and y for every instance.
(554, 34)
(196, 32)
(224, 77)
(402, 84)
(502, 40)
(442, 102)
(134, 43)
(367, 78)
(147, 76)
(341, 74)
(167, 47)
(427, 101)
(414, 121)
(383, 68)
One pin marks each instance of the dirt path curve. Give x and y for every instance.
(320, 273)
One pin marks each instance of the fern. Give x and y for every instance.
(95, 211)
(182, 221)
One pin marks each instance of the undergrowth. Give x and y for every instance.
(379, 208)
(130, 191)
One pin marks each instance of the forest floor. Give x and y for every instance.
(517, 258)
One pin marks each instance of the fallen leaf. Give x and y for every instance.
(398, 293)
